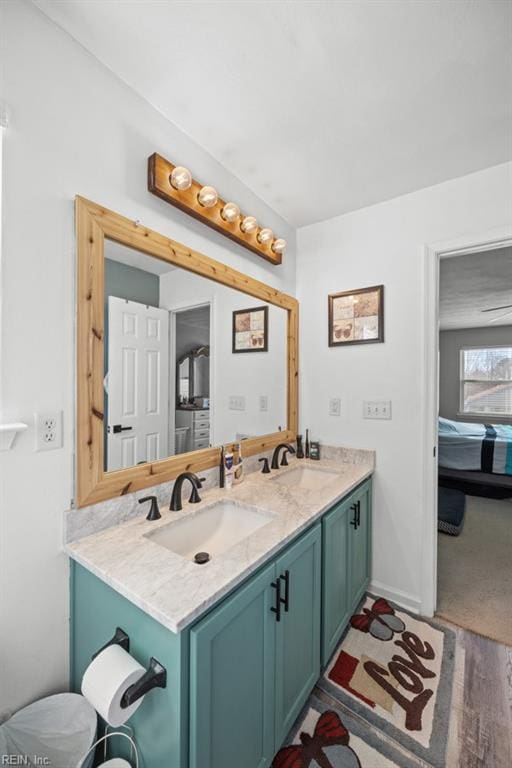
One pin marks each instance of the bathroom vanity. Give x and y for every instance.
(245, 636)
(285, 556)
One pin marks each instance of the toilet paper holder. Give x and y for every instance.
(154, 677)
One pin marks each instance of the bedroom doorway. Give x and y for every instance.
(469, 418)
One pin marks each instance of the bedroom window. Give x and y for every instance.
(486, 381)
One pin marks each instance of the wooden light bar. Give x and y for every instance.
(159, 172)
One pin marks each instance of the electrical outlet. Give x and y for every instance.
(237, 403)
(335, 406)
(377, 409)
(263, 403)
(48, 431)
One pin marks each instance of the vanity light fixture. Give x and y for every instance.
(279, 245)
(207, 197)
(265, 235)
(249, 225)
(230, 212)
(175, 185)
(181, 178)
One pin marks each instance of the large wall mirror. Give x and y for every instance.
(177, 355)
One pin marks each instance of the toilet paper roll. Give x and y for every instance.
(106, 679)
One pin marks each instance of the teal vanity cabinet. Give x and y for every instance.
(160, 725)
(254, 661)
(346, 544)
(239, 676)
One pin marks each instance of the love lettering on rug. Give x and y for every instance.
(391, 662)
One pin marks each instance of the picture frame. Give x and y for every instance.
(250, 330)
(356, 317)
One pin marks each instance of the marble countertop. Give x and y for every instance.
(176, 591)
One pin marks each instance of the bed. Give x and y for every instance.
(476, 458)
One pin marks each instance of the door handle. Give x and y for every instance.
(286, 599)
(119, 428)
(277, 608)
(353, 522)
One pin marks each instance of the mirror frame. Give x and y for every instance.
(94, 223)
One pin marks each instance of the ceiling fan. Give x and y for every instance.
(495, 309)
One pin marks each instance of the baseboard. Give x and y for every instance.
(403, 599)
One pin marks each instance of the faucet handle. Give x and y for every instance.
(194, 496)
(266, 468)
(288, 449)
(154, 512)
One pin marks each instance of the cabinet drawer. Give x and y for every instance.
(201, 415)
(200, 444)
(204, 424)
(202, 434)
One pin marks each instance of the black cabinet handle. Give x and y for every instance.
(353, 522)
(119, 428)
(277, 608)
(358, 513)
(286, 599)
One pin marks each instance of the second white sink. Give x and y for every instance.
(306, 477)
(212, 530)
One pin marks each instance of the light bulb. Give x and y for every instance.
(249, 224)
(230, 212)
(279, 245)
(181, 178)
(265, 235)
(207, 197)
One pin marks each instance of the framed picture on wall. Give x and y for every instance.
(250, 330)
(356, 317)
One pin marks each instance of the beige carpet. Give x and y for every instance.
(474, 571)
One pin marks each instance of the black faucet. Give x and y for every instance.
(176, 505)
(275, 456)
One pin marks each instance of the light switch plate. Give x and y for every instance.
(237, 403)
(263, 403)
(334, 406)
(377, 409)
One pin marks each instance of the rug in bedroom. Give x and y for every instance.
(326, 736)
(395, 671)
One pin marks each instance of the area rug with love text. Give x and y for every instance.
(327, 737)
(395, 671)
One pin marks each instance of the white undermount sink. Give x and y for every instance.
(213, 529)
(307, 478)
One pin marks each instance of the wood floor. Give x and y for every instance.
(481, 717)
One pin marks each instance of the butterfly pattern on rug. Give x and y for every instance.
(379, 620)
(313, 752)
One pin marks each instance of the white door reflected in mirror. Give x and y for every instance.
(138, 385)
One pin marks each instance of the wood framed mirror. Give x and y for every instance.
(109, 463)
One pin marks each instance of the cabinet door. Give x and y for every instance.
(360, 545)
(232, 667)
(335, 576)
(298, 631)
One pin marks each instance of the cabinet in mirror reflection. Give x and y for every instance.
(172, 383)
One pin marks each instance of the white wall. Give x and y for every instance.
(384, 244)
(249, 375)
(450, 344)
(74, 129)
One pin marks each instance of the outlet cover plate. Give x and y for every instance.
(335, 406)
(48, 430)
